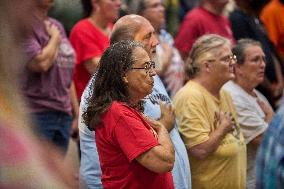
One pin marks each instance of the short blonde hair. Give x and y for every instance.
(203, 48)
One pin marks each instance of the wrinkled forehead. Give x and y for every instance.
(145, 30)
(140, 53)
(213, 53)
(253, 50)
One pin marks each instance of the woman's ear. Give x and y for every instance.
(207, 66)
(124, 79)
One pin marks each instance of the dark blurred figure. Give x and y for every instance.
(273, 18)
(245, 24)
(185, 6)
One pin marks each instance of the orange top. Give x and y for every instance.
(273, 19)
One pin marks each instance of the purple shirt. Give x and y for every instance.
(48, 91)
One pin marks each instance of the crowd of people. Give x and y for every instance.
(196, 109)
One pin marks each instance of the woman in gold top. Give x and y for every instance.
(207, 117)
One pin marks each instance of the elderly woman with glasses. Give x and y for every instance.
(134, 151)
(253, 109)
(207, 118)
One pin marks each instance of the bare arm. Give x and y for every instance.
(75, 108)
(279, 76)
(46, 58)
(225, 124)
(92, 64)
(159, 159)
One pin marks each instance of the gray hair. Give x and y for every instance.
(239, 49)
(137, 7)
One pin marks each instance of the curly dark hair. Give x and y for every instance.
(109, 86)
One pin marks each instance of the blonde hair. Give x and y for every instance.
(203, 48)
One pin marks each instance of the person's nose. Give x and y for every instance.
(162, 8)
(155, 41)
(262, 63)
(232, 62)
(152, 72)
(118, 3)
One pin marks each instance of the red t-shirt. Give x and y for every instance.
(88, 42)
(198, 22)
(123, 136)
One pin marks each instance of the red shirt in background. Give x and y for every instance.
(88, 42)
(198, 22)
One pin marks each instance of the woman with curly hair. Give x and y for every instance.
(134, 151)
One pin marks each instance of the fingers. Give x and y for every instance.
(51, 29)
(226, 119)
(166, 109)
(149, 120)
(167, 116)
(47, 23)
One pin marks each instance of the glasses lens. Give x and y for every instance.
(234, 58)
(150, 65)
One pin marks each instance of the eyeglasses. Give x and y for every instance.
(150, 65)
(226, 59)
(230, 58)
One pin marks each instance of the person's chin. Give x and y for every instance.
(153, 52)
(232, 76)
(150, 89)
(260, 80)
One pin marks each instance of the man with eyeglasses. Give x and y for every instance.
(136, 28)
